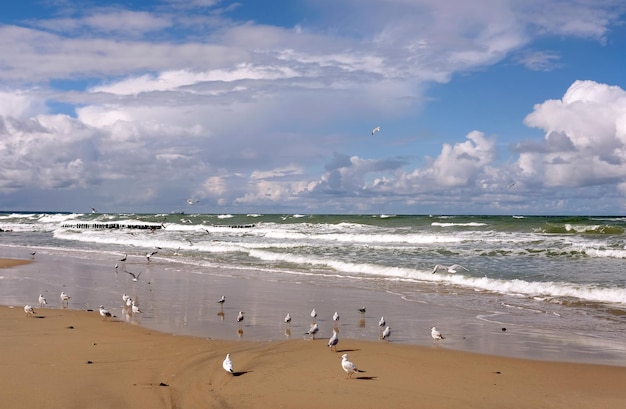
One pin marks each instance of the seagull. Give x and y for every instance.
(386, 333)
(222, 300)
(29, 310)
(313, 314)
(42, 300)
(152, 253)
(348, 366)
(451, 269)
(333, 341)
(124, 258)
(65, 298)
(93, 210)
(312, 331)
(336, 316)
(32, 254)
(125, 297)
(362, 310)
(287, 319)
(228, 364)
(135, 277)
(104, 312)
(240, 316)
(436, 334)
(128, 303)
(382, 323)
(135, 308)
(377, 129)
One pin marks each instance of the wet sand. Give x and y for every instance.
(73, 358)
(63, 358)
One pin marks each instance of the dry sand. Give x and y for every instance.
(63, 358)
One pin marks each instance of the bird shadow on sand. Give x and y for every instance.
(347, 350)
(239, 373)
(366, 378)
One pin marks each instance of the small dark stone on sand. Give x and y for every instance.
(163, 384)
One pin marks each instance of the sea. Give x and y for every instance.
(547, 274)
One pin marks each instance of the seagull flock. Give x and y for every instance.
(130, 306)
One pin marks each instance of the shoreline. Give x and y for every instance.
(186, 304)
(77, 359)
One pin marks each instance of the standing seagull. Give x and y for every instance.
(228, 364)
(42, 300)
(450, 269)
(124, 258)
(65, 298)
(240, 317)
(222, 300)
(104, 312)
(336, 316)
(333, 341)
(348, 366)
(436, 334)
(312, 331)
(29, 310)
(135, 308)
(382, 323)
(362, 310)
(377, 129)
(288, 319)
(386, 334)
(314, 314)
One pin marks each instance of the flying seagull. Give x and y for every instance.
(135, 277)
(377, 129)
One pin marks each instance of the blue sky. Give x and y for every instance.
(488, 107)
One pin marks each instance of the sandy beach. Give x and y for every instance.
(76, 359)
(73, 358)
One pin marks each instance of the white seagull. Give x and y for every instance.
(333, 341)
(348, 366)
(135, 308)
(377, 129)
(336, 316)
(313, 330)
(382, 323)
(29, 310)
(313, 313)
(65, 298)
(287, 319)
(450, 269)
(125, 297)
(436, 334)
(240, 317)
(386, 333)
(42, 300)
(362, 310)
(228, 364)
(222, 300)
(104, 312)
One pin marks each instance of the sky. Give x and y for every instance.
(488, 107)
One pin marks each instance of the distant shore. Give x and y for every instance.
(70, 358)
